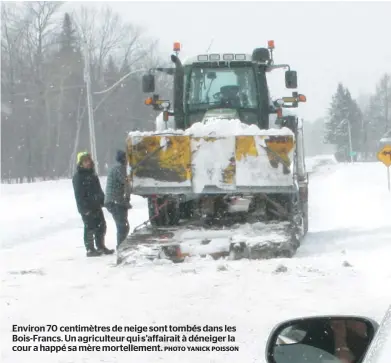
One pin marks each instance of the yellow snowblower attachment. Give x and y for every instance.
(179, 164)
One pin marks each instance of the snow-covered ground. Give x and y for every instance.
(343, 266)
(323, 162)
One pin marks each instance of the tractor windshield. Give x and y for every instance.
(211, 86)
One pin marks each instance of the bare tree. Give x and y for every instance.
(44, 117)
(106, 34)
(39, 37)
(14, 24)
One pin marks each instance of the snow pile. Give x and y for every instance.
(271, 238)
(232, 127)
(314, 163)
(261, 234)
(214, 127)
(42, 234)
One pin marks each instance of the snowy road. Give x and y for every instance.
(343, 266)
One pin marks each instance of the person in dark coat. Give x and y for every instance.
(117, 199)
(90, 200)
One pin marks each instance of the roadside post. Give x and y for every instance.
(384, 155)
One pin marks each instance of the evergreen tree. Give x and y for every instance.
(377, 116)
(338, 111)
(383, 93)
(66, 76)
(344, 124)
(372, 132)
(68, 35)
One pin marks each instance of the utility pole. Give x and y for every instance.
(386, 100)
(343, 123)
(91, 122)
(350, 142)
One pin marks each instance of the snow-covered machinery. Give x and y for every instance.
(224, 171)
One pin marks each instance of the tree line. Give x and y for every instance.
(355, 131)
(44, 116)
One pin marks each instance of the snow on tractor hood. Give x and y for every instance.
(232, 127)
(217, 123)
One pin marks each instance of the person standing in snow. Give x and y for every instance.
(90, 200)
(117, 199)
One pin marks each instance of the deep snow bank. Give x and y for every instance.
(251, 295)
(314, 163)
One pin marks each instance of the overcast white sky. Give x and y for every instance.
(326, 42)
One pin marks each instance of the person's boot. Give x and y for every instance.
(105, 251)
(92, 252)
(100, 245)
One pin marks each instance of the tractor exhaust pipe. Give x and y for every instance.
(179, 92)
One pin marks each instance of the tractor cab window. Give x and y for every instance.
(223, 86)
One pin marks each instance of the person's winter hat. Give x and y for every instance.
(81, 156)
(121, 156)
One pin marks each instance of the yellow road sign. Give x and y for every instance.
(384, 155)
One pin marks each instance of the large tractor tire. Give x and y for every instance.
(298, 211)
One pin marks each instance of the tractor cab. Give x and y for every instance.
(228, 85)
(222, 85)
